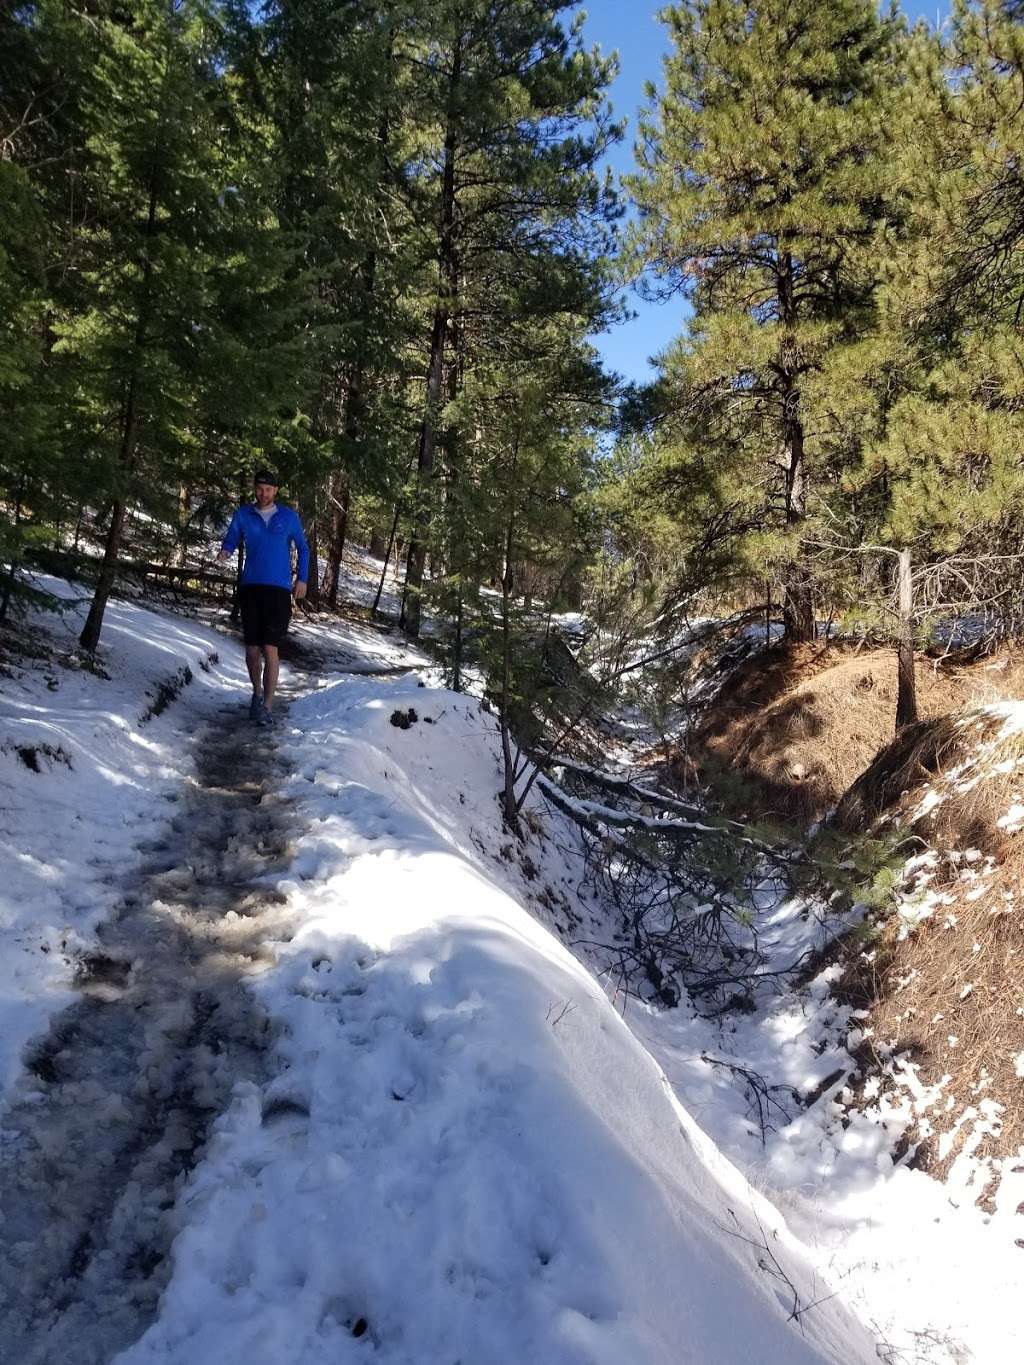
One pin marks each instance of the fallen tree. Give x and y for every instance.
(682, 881)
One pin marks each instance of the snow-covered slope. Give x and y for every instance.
(465, 1155)
(90, 768)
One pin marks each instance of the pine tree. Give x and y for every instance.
(134, 322)
(944, 475)
(513, 126)
(763, 199)
(41, 79)
(331, 81)
(521, 514)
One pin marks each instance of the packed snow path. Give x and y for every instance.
(118, 1096)
(329, 1090)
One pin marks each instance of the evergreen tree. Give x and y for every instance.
(763, 199)
(41, 78)
(332, 83)
(522, 517)
(133, 323)
(514, 123)
(946, 469)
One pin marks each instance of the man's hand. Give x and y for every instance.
(299, 591)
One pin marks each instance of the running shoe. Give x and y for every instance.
(266, 719)
(255, 708)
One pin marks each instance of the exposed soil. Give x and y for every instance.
(799, 731)
(949, 997)
(118, 1098)
(948, 993)
(795, 726)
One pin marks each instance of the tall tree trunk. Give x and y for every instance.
(457, 558)
(457, 642)
(90, 636)
(417, 557)
(906, 688)
(184, 500)
(798, 598)
(387, 557)
(312, 597)
(340, 497)
(352, 423)
(12, 570)
(355, 402)
(510, 808)
(447, 276)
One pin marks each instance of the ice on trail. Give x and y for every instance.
(464, 1156)
(118, 1095)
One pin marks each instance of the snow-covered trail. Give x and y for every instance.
(329, 1090)
(119, 1094)
(462, 1154)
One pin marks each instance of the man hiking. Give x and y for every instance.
(265, 597)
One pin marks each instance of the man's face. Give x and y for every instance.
(265, 494)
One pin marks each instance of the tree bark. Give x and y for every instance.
(184, 500)
(457, 643)
(352, 421)
(12, 570)
(387, 556)
(90, 636)
(339, 533)
(447, 277)
(906, 688)
(312, 598)
(510, 807)
(798, 598)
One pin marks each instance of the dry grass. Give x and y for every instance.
(804, 730)
(950, 996)
(798, 725)
(969, 758)
(948, 992)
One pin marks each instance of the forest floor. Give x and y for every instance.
(798, 725)
(298, 1066)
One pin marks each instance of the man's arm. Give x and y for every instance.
(302, 573)
(230, 542)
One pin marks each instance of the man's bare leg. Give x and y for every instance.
(271, 665)
(254, 663)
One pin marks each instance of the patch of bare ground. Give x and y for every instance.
(941, 979)
(937, 970)
(796, 725)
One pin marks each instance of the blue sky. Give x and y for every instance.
(631, 28)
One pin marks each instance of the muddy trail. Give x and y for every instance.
(118, 1098)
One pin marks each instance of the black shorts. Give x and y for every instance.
(266, 611)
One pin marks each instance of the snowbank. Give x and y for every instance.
(465, 1155)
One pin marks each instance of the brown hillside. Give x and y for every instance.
(794, 727)
(939, 974)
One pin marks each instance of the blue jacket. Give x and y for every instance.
(268, 557)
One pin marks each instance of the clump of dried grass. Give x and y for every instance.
(948, 990)
(970, 762)
(950, 995)
(798, 725)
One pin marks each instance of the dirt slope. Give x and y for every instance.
(794, 727)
